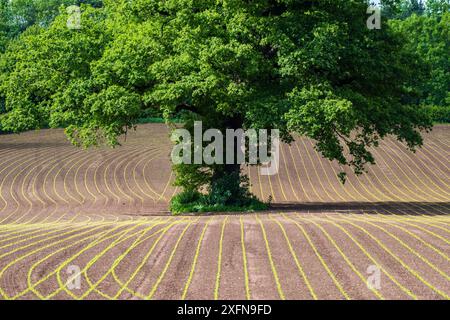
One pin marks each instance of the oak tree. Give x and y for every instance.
(309, 68)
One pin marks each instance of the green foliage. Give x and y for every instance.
(429, 37)
(307, 67)
(410, 7)
(187, 197)
(437, 7)
(334, 114)
(18, 15)
(402, 9)
(224, 194)
(439, 114)
(4, 26)
(194, 201)
(230, 188)
(47, 80)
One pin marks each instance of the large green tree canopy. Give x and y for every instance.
(304, 67)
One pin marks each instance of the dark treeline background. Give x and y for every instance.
(18, 15)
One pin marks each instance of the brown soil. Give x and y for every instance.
(104, 211)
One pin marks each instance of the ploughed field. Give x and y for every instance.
(94, 224)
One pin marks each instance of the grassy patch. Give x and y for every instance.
(194, 202)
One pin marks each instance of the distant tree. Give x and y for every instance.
(16, 16)
(4, 24)
(303, 67)
(429, 37)
(44, 65)
(411, 7)
(437, 7)
(402, 9)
